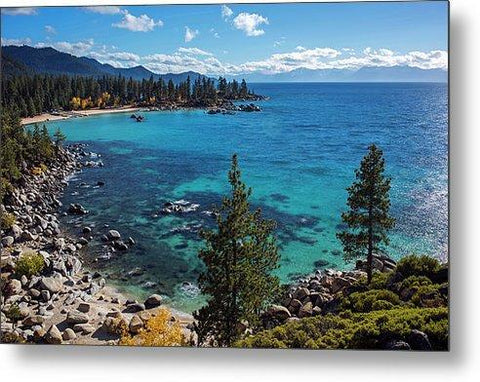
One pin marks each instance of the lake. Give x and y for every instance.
(298, 155)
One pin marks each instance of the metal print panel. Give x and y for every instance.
(237, 175)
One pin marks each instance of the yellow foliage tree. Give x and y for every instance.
(75, 103)
(159, 331)
(86, 103)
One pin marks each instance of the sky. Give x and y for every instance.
(235, 39)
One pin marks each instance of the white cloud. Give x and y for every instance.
(435, 59)
(226, 12)
(141, 23)
(15, 41)
(194, 51)
(50, 30)
(190, 34)
(104, 10)
(249, 23)
(79, 48)
(25, 11)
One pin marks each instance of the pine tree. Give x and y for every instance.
(239, 258)
(368, 218)
(59, 138)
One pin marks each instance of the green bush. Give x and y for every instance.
(29, 264)
(356, 331)
(363, 302)
(13, 313)
(8, 220)
(429, 296)
(413, 265)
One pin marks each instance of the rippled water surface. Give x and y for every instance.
(298, 155)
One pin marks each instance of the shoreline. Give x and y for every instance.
(66, 302)
(48, 117)
(226, 107)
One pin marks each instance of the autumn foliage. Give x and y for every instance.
(159, 330)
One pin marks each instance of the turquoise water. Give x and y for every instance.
(298, 155)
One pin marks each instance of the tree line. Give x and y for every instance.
(29, 95)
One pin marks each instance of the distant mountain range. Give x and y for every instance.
(26, 59)
(365, 74)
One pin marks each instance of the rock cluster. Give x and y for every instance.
(316, 294)
(63, 303)
(310, 296)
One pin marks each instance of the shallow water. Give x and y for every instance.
(298, 155)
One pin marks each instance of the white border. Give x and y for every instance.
(462, 363)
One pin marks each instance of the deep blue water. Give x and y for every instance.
(298, 155)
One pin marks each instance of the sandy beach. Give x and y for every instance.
(45, 117)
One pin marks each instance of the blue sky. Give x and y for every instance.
(241, 38)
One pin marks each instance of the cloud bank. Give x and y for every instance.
(196, 59)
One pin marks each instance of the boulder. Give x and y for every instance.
(53, 335)
(69, 335)
(52, 284)
(294, 306)
(77, 209)
(279, 312)
(305, 310)
(153, 301)
(114, 325)
(419, 340)
(134, 308)
(301, 293)
(135, 325)
(15, 286)
(113, 235)
(83, 328)
(7, 241)
(339, 283)
(33, 320)
(28, 236)
(76, 317)
(83, 307)
(16, 231)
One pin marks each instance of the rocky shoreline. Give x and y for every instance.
(65, 303)
(317, 293)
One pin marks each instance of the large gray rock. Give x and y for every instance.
(16, 231)
(83, 328)
(52, 284)
(153, 301)
(301, 293)
(306, 310)
(76, 317)
(69, 335)
(53, 335)
(83, 307)
(134, 308)
(113, 235)
(7, 241)
(279, 312)
(419, 340)
(135, 325)
(15, 286)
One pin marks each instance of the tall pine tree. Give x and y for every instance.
(239, 257)
(367, 219)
